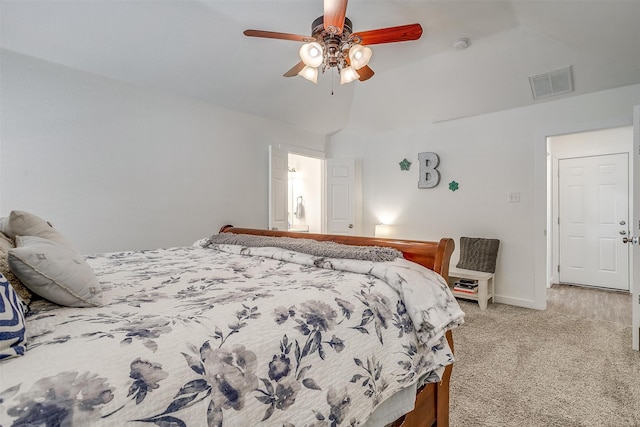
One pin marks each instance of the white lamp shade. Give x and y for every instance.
(310, 74)
(382, 230)
(348, 74)
(311, 54)
(359, 56)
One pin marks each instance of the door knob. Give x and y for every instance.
(350, 225)
(622, 222)
(632, 240)
(623, 232)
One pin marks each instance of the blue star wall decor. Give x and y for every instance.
(453, 186)
(405, 165)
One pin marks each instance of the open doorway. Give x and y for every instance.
(304, 193)
(309, 193)
(588, 189)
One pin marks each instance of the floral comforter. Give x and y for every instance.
(231, 336)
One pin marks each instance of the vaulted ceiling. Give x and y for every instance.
(196, 48)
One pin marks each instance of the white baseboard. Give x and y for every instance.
(526, 303)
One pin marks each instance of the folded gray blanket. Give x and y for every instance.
(308, 246)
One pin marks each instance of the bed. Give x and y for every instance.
(222, 333)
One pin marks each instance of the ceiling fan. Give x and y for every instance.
(333, 44)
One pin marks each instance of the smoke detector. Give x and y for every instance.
(461, 43)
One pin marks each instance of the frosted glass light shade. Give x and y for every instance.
(359, 56)
(311, 54)
(310, 74)
(348, 74)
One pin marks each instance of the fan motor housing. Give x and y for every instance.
(317, 28)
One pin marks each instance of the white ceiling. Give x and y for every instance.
(196, 49)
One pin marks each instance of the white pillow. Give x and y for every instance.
(55, 272)
(21, 223)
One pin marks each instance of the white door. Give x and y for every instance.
(341, 196)
(278, 186)
(593, 214)
(635, 232)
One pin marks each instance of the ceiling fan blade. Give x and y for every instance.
(280, 36)
(294, 70)
(334, 14)
(365, 73)
(402, 33)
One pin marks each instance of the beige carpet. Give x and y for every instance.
(521, 367)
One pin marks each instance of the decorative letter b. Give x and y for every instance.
(429, 176)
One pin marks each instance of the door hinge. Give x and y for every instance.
(558, 268)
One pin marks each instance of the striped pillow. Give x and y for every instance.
(12, 327)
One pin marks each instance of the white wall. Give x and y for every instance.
(115, 166)
(489, 156)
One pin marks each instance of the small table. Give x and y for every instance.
(485, 285)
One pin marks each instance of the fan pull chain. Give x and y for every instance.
(333, 74)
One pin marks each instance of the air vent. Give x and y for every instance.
(552, 83)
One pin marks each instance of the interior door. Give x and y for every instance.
(341, 196)
(594, 215)
(278, 187)
(635, 232)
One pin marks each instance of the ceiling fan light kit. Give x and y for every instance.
(332, 44)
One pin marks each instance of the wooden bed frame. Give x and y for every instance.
(432, 400)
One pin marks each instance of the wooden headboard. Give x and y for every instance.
(433, 255)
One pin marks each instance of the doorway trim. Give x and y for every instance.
(572, 145)
(311, 153)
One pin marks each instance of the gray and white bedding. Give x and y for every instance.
(234, 336)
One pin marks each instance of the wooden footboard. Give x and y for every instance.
(432, 401)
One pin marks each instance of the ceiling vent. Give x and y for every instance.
(554, 82)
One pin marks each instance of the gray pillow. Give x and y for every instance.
(55, 272)
(478, 254)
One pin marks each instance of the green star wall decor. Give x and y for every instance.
(405, 165)
(453, 186)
